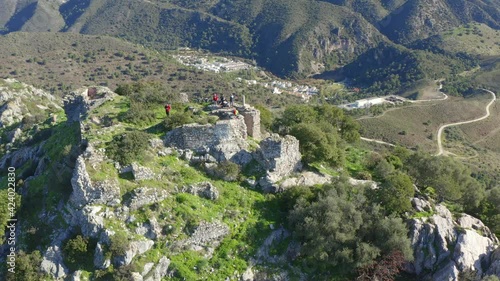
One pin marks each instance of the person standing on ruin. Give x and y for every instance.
(215, 98)
(231, 100)
(168, 107)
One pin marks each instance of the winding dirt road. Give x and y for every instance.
(377, 141)
(441, 129)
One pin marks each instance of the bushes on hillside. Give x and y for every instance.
(144, 98)
(79, 253)
(342, 230)
(227, 171)
(320, 130)
(177, 119)
(128, 147)
(27, 267)
(395, 193)
(119, 244)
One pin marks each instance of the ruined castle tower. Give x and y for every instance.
(252, 121)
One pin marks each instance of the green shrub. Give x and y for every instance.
(119, 244)
(128, 147)
(139, 114)
(79, 253)
(227, 171)
(178, 119)
(27, 267)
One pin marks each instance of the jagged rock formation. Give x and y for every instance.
(52, 263)
(79, 102)
(87, 192)
(444, 246)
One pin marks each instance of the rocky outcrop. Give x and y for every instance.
(159, 271)
(100, 261)
(203, 189)
(87, 192)
(20, 157)
(90, 219)
(444, 246)
(371, 184)
(150, 230)
(15, 96)
(135, 248)
(145, 196)
(52, 263)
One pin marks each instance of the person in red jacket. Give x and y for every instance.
(168, 107)
(215, 98)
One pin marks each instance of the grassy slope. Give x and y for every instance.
(411, 119)
(474, 38)
(60, 62)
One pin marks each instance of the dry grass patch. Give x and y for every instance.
(416, 125)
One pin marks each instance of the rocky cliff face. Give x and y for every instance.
(446, 245)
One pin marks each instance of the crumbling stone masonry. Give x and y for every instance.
(195, 136)
(252, 121)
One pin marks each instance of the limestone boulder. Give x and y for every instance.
(159, 271)
(305, 179)
(90, 219)
(141, 173)
(207, 236)
(135, 248)
(52, 263)
(100, 261)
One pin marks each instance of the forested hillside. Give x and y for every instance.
(290, 38)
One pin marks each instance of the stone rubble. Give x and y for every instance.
(203, 189)
(145, 196)
(207, 236)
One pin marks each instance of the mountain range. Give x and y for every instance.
(290, 38)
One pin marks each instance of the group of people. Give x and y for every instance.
(217, 101)
(223, 101)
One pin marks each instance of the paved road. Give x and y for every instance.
(441, 129)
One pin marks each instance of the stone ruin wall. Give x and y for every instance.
(195, 136)
(252, 121)
(280, 155)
